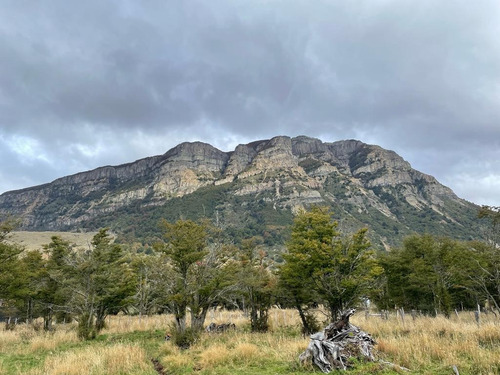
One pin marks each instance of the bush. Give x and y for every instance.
(183, 339)
(85, 331)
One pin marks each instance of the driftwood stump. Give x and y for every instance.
(340, 341)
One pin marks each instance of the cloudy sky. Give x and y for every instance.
(90, 83)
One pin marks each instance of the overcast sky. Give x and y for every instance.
(90, 83)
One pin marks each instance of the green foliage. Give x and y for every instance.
(86, 330)
(323, 266)
(425, 274)
(92, 284)
(154, 278)
(183, 339)
(492, 215)
(477, 267)
(310, 164)
(11, 272)
(199, 270)
(255, 283)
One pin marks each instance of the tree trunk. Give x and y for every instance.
(305, 325)
(100, 321)
(259, 319)
(47, 318)
(309, 322)
(29, 310)
(180, 323)
(334, 312)
(198, 320)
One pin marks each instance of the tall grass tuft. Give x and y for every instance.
(437, 341)
(113, 360)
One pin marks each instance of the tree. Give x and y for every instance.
(256, 284)
(492, 214)
(199, 266)
(425, 274)
(479, 270)
(30, 280)
(9, 262)
(54, 294)
(185, 245)
(153, 281)
(312, 234)
(96, 282)
(211, 282)
(338, 269)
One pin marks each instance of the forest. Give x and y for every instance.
(195, 268)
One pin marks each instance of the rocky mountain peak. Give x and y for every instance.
(357, 179)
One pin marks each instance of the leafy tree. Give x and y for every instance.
(9, 263)
(54, 294)
(185, 245)
(96, 282)
(153, 280)
(211, 282)
(338, 269)
(29, 288)
(312, 233)
(479, 270)
(256, 284)
(199, 268)
(424, 274)
(492, 214)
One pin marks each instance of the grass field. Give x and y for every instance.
(35, 240)
(127, 345)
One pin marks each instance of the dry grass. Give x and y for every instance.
(35, 240)
(124, 324)
(25, 340)
(50, 341)
(8, 339)
(440, 341)
(215, 355)
(236, 350)
(278, 318)
(116, 359)
(426, 346)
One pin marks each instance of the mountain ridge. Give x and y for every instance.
(362, 183)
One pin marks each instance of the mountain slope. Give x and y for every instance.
(253, 190)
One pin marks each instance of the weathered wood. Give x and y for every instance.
(339, 342)
(212, 327)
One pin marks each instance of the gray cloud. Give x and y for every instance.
(93, 83)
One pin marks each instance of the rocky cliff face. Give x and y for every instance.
(285, 173)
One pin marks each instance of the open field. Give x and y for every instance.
(35, 240)
(127, 345)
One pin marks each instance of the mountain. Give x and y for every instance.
(253, 190)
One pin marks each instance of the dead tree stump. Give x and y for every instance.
(339, 342)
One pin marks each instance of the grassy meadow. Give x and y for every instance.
(36, 240)
(128, 344)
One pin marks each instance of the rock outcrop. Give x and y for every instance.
(286, 173)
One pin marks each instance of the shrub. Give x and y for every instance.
(183, 339)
